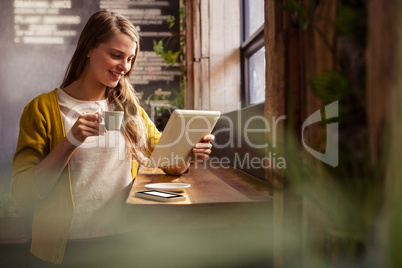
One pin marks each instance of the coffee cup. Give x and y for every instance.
(113, 119)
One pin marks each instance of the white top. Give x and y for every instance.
(100, 174)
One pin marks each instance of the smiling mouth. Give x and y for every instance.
(116, 75)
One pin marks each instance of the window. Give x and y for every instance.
(253, 52)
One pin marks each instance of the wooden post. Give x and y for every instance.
(275, 107)
(381, 74)
(204, 59)
(197, 52)
(317, 48)
(189, 91)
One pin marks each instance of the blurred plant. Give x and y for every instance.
(340, 212)
(167, 49)
(340, 203)
(7, 203)
(347, 20)
(171, 20)
(158, 95)
(178, 98)
(330, 86)
(169, 56)
(299, 15)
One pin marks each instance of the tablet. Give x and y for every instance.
(184, 129)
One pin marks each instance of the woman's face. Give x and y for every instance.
(110, 61)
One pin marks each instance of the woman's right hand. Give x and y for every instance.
(86, 125)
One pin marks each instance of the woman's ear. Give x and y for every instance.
(89, 53)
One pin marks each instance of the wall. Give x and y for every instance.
(38, 38)
(27, 70)
(216, 54)
(240, 141)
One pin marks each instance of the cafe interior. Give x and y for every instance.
(304, 166)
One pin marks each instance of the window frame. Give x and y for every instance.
(248, 47)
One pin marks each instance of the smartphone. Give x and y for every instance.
(160, 196)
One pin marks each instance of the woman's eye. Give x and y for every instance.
(115, 56)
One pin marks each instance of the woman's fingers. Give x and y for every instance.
(208, 138)
(89, 117)
(202, 150)
(203, 145)
(86, 125)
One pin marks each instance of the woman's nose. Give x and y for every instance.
(125, 66)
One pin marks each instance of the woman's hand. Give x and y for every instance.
(202, 150)
(86, 125)
(177, 169)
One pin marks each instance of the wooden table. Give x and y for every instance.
(209, 185)
(226, 221)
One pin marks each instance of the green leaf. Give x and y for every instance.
(158, 47)
(173, 56)
(171, 20)
(297, 11)
(170, 58)
(330, 86)
(347, 19)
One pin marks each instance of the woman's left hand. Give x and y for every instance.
(202, 150)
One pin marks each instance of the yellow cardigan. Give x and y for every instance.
(41, 129)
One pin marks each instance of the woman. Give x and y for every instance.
(66, 165)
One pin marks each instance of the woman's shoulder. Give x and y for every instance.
(144, 116)
(142, 111)
(48, 99)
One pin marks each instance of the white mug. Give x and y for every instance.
(113, 119)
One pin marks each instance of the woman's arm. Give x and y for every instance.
(36, 169)
(48, 171)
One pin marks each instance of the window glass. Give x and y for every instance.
(256, 66)
(254, 16)
(253, 52)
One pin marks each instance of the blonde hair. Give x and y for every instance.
(100, 28)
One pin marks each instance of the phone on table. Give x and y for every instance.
(160, 195)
